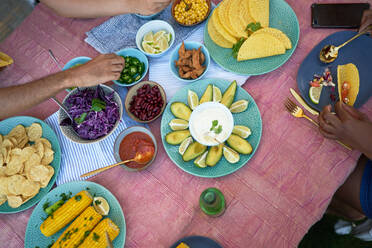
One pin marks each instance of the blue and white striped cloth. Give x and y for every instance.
(77, 159)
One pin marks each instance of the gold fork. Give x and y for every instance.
(296, 111)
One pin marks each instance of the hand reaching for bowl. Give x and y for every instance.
(101, 69)
(348, 125)
(149, 7)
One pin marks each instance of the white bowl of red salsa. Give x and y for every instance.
(126, 145)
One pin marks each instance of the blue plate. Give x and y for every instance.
(250, 118)
(197, 242)
(358, 52)
(35, 238)
(5, 127)
(137, 54)
(188, 45)
(283, 18)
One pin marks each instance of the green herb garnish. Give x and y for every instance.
(90, 218)
(98, 105)
(81, 118)
(86, 234)
(97, 202)
(78, 198)
(46, 205)
(253, 27)
(95, 237)
(215, 127)
(218, 129)
(236, 47)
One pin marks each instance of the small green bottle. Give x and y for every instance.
(212, 202)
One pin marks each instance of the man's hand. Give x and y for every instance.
(103, 68)
(366, 20)
(148, 7)
(348, 125)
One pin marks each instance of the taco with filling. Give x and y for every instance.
(348, 83)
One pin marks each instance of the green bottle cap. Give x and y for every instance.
(210, 197)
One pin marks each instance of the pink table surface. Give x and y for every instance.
(271, 202)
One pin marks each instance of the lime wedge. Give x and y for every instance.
(239, 106)
(200, 161)
(178, 124)
(314, 93)
(192, 99)
(101, 206)
(162, 43)
(217, 95)
(242, 131)
(169, 37)
(159, 34)
(147, 48)
(184, 145)
(149, 37)
(230, 155)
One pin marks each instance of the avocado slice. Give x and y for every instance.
(239, 144)
(208, 95)
(176, 137)
(214, 155)
(229, 95)
(194, 150)
(181, 110)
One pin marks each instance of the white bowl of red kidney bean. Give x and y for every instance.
(145, 101)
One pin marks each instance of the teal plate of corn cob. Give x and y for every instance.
(67, 217)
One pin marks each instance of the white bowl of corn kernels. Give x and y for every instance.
(190, 12)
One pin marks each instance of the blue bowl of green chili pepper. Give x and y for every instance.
(136, 67)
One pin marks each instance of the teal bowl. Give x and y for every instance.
(149, 17)
(189, 45)
(137, 54)
(74, 62)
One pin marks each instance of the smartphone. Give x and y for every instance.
(346, 15)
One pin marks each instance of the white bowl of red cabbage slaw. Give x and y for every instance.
(96, 110)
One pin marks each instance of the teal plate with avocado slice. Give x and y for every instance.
(34, 237)
(251, 118)
(282, 17)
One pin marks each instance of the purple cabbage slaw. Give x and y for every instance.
(96, 124)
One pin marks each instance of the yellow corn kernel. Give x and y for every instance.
(97, 237)
(66, 213)
(75, 234)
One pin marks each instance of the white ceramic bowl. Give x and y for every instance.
(154, 26)
(68, 130)
(201, 120)
(124, 133)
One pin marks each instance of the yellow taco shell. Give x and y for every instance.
(259, 46)
(277, 34)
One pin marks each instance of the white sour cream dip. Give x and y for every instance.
(201, 121)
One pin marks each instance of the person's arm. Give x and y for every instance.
(102, 69)
(99, 8)
(349, 126)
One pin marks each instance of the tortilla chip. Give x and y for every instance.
(260, 11)
(223, 16)
(220, 29)
(277, 34)
(34, 131)
(348, 73)
(29, 188)
(259, 46)
(14, 201)
(15, 183)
